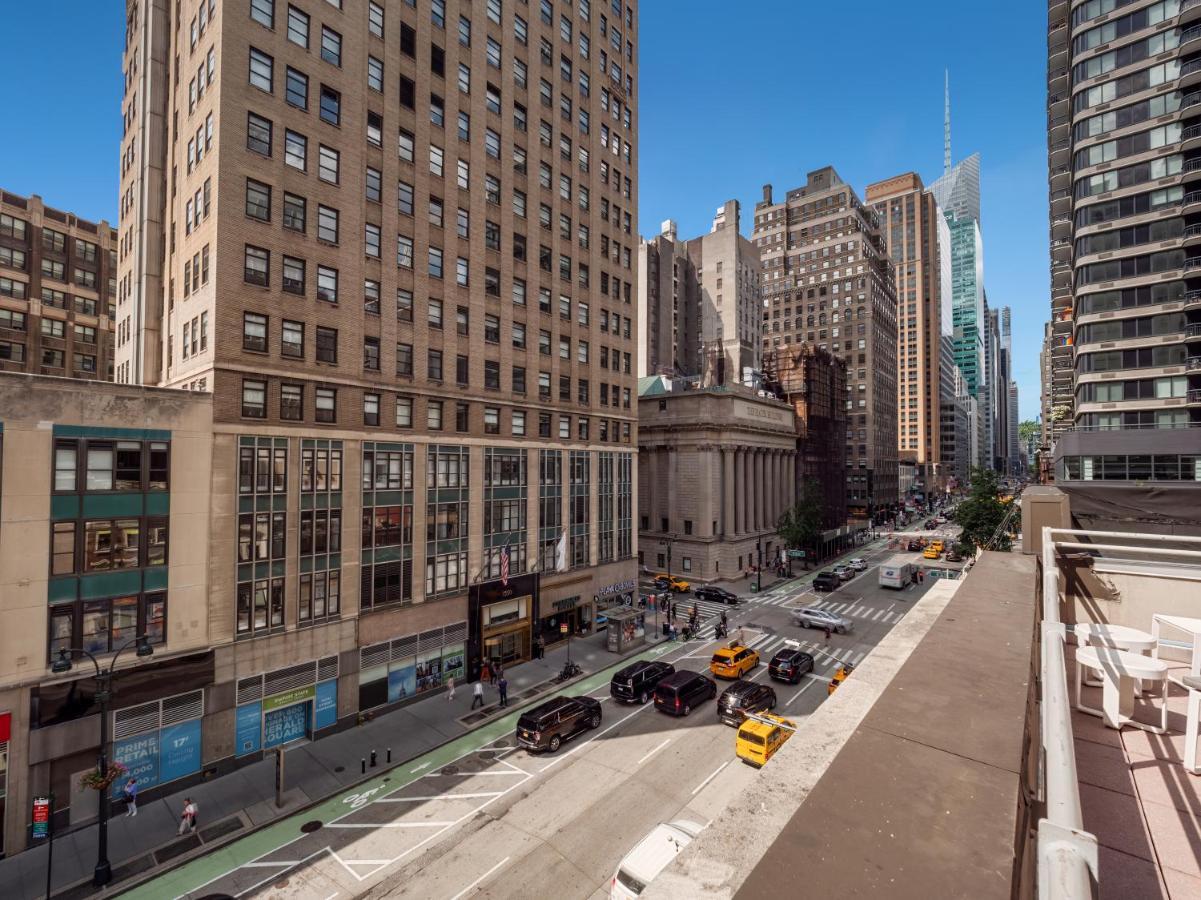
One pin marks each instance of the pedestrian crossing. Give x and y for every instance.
(854, 609)
(823, 655)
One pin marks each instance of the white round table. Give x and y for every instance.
(1120, 671)
(1121, 637)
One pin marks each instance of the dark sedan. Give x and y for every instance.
(716, 595)
(744, 697)
(790, 665)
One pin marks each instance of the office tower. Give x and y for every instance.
(919, 243)
(828, 281)
(1016, 448)
(58, 276)
(699, 300)
(1124, 166)
(398, 245)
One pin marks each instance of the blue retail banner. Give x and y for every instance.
(402, 683)
(139, 755)
(248, 736)
(287, 724)
(325, 709)
(179, 750)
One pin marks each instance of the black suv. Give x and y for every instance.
(790, 665)
(826, 581)
(743, 697)
(548, 725)
(679, 692)
(716, 595)
(636, 683)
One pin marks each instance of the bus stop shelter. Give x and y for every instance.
(626, 628)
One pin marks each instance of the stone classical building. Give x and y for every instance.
(716, 472)
(58, 291)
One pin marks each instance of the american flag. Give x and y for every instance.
(504, 565)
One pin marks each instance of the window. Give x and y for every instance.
(254, 399)
(371, 409)
(291, 402)
(327, 224)
(404, 359)
(257, 265)
(464, 126)
(491, 420)
(326, 405)
(404, 305)
(491, 143)
(435, 212)
(375, 19)
(462, 271)
(298, 27)
(375, 129)
(327, 284)
(404, 145)
(404, 251)
(462, 417)
(464, 31)
(434, 315)
(258, 134)
(374, 185)
(263, 12)
(327, 345)
(375, 74)
(371, 241)
(404, 198)
(258, 200)
(463, 175)
(371, 297)
(436, 161)
(464, 78)
(254, 332)
(331, 105)
(293, 275)
(492, 375)
(261, 70)
(292, 339)
(404, 412)
(433, 368)
(331, 46)
(408, 93)
(433, 415)
(296, 88)
(435, 262)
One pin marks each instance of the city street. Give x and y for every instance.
(483, 817)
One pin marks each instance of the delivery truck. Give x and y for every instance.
(897, 572)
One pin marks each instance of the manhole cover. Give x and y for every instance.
(310, 827)
(339, 768)
(449, 770)
(502, 744)
(485, 754)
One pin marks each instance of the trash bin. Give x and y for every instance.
(754, 587)
(666, 629)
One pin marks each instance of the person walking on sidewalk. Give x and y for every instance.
(450, 688)
(827, 634)
(131, 797)
(541, 647)
(477, 695)
(503, 687)
(187, 819)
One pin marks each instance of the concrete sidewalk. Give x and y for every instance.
(233, 805)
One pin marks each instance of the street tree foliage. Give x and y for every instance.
(981, 512)
(801, 526)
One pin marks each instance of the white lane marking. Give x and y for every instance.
(475, 796)
(345, 865)
(696, 790)
(441, 774)
(332, 896)
(415, 769)
(475, 883)
(876, 617)
(808, 684)
(824, 678)
(265, 865)
(389, 825)
(653, 752)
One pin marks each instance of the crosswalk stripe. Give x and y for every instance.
(876, 617)
(759, 640)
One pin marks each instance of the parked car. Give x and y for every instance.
(761, 736)
(743, 697)
(733, 661)
(858, 564)
(790, 664)
(826, 581)
(636, 683)
(671, 583)
(680, 691)
(716, 595)
(816, 617)
(844, 573)
(649, 857)
(952, 556)
(547, 725)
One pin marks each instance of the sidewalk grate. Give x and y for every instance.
(221, 829)
(176, 848)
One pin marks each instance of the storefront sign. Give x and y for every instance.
(179, 750)
(140, 755)
(41, 818)
(325, 710)
(620, 588)
(291, 723)
(563, 628)
(248, 735)
(567, 603)
(287, 698)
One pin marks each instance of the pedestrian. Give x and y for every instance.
(450, 688)
(502, 685)
(541, 647)
(827, 634)
(194, 818)
(131, 797)
(673, 611)
(672, 630)
(741, 637)
(185, 817)
(477, 698)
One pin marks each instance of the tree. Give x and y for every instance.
(1028, 431)
(801, 525)
(982, 511)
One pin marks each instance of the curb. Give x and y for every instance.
(115, 890)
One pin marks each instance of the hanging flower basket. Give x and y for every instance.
(102, 781)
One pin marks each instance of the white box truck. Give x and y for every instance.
(896, 572)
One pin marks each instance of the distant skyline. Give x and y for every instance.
(727, 103)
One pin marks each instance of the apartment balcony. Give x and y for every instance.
(1190, 35)
(1192, 331)
(1194, 395)
(1190, 11)
(1190, 74)
(1193, 364)
(1192, 300)
(1191, 201)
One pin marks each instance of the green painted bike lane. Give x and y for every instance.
(214, 865)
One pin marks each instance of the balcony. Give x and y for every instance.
(1192, 300)
(1190, 73)
(1190, 11)
(1194, 395)
(1192, 331)
(1190, 137)
(1188, 35)
(1193, 364)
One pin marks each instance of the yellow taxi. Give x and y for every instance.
(839, 677)
(675, 585)
(938, 545)
(733, 661)
(761, 735)
(931, 552)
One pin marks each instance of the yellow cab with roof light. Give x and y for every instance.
(733, 661)
(760, 736)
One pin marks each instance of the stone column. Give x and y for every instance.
(760, 478)
(729, 526)
(744, 491)
(777, 490)
(647, 459)
(674, 523)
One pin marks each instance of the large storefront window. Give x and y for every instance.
(285, 705)
(502, 616)
(159, 741)
(408, 666)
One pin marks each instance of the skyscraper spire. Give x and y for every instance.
(946, 123)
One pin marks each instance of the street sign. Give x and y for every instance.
(797, 554)
(41, 818)
(563, 628)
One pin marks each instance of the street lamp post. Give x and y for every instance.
(103, 872)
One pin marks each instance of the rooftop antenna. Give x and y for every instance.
(946, 123)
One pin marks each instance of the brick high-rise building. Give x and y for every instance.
(828, 281)
(668, 306)
(919, 244)
(398, 245)
(58, 276)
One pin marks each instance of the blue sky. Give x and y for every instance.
(729, 102)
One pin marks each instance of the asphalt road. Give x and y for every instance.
(485, 818)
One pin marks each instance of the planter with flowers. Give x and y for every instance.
(102, 781)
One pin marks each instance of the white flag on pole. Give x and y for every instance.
(561, 553)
